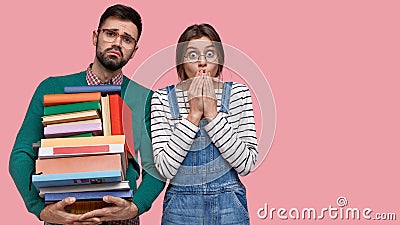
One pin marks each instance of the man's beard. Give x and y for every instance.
(111, 62)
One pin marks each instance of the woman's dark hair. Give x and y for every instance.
(197, 31)
(125, 13)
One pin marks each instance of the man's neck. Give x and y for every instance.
(102, 73)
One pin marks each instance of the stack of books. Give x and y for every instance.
(84, 154)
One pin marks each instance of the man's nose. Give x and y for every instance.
(118, 40)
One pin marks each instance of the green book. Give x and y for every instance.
(80, 135)
(74, 107)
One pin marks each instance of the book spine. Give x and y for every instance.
(67, 179)
(93, 88)
(79, 150)
(74, 107)
(77, 141)
(59, 131)
(116, 114)
(105, 113)
(87, 195)
(82, 207)
(58, 99)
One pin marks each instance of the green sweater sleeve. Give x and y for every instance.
(22, 158)
(152, 183)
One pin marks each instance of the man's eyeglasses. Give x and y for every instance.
(194, 56)
(110, 36)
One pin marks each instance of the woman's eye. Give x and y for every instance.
(192, 55)
(210, 53)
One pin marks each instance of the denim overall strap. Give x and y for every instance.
(226, 95)
(173, 102)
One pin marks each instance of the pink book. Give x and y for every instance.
(71, 129)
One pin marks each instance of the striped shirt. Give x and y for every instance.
(234, 134)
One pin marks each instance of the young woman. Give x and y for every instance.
(203, 135)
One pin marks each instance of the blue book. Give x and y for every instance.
(113, 88)
(87, 195)
(67, 179)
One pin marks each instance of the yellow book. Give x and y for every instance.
(105, 114)
(79, 141)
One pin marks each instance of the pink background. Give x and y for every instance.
(333, 67)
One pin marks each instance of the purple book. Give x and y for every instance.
(88, 195)
(72, 129)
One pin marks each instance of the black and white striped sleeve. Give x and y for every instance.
(238, 145)
(170, 146)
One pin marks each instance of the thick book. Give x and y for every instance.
(53, 152)
(128, 129)
(83, 207)
(93, 88)
(80, 178)
(59, 99)
(87, 195)
(78, 141)
(116, 105)
(105, 115)
(116, 114)
(70, 117)
(75, 122)
(79, 164)
(58, 152)
(89, 134)
(123, 185)
(73, 107)
(72, 129)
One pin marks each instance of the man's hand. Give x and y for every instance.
(55, 213)
(121, 210)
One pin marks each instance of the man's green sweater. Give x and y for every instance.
(22, 159)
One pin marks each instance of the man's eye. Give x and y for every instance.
(111, 33)
(128, 39)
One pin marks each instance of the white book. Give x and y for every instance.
(123, 185)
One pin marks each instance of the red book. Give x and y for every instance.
(121, 121)
(116, 114)
(128, 129)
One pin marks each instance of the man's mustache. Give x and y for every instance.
(115, 48)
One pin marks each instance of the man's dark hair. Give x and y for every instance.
(125, 13)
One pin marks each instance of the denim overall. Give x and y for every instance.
(206, 189)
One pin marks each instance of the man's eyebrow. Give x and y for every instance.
(115, 29)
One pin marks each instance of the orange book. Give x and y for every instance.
(59, 99)
(79, 164)
(79, 141)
